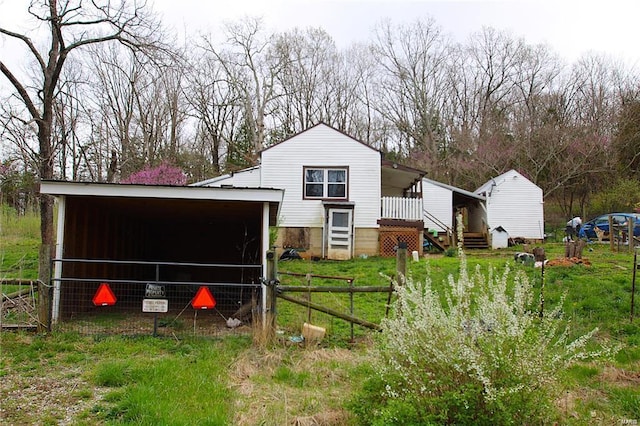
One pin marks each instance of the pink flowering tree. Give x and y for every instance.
(164, 174)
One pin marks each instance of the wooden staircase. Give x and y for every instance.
(472, 240)
(435, 242)
(475, 240)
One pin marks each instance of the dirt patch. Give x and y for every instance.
(57, 398)
(293, 386)
(328, 418)
(620, 377)
(569, 261)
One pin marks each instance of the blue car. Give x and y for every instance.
(620, 221)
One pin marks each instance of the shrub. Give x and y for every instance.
(164, 174)
(473, 353)
(622, 196)
(449, 252)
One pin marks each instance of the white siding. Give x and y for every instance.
(321, 146)
(516, 204)
(438, 201)
(247, 178)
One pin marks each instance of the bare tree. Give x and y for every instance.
(68, 121)
(591, 96)
(113, 125)
(411, 87)
(252, 66)
(216, 106)
(71, 25)
(483, 74)
(309, 59)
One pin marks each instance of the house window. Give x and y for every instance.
(325, 183)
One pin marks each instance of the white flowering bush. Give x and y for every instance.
(471, 353)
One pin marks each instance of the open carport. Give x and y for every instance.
(171, 239)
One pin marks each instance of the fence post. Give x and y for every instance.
(636, 266)
(270, 300)
(351, 306)
(611, 234)
(44, 289)
(401, 262)
(630, 234)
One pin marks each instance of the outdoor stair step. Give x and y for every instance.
(475, 241)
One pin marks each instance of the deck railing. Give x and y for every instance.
(401, 208)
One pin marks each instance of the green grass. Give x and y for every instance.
(598, 295)
(19, 242)
(145, 380)
(155, 390)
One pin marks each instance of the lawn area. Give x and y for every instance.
(67, 378)
(19, 243)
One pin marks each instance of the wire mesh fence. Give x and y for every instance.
(97, 297)
(18, 304)
(155, 298)
(173, 314)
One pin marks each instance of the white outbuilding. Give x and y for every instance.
(499, 238)
(516, 204)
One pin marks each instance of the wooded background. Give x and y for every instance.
(122, 94)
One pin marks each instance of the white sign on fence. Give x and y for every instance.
(155, 290)
(155, 305)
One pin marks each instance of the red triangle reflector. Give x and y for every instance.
(104, 296)
(203, 299)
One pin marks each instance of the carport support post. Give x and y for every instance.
(270, 308)
(155, 314)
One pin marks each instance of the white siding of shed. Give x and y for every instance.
(321, 146)
(516, 204)
(438, 201)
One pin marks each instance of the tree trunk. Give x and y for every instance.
(46, 226)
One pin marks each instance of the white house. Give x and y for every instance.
(341, 197)
(516, 204)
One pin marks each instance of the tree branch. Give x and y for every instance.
(24, 95)
(29, 44)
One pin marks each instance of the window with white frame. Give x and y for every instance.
(325, 182)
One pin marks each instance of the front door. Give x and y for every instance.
(340, 234)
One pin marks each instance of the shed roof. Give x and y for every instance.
(226, 176)
(460, 196)
(187, 193)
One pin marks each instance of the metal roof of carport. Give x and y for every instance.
(93, 189)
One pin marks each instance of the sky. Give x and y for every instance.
(570, 27)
